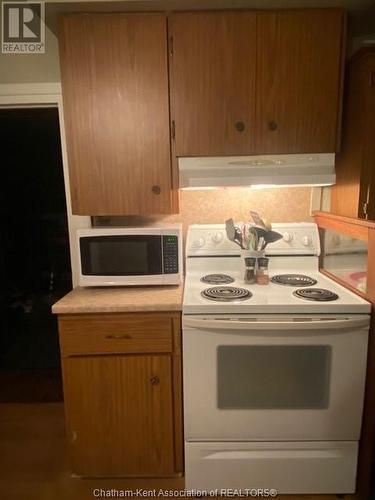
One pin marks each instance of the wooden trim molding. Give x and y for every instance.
(331, 220)
(363, 230)
(371, 266)
(36, 95)
(45, 88)
(366, 454)
(345, 225)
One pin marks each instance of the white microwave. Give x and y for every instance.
(130, 256)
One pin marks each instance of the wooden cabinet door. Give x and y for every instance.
(115, 90)
(212, 71)
(353, 195)
(367, 191)
(299, 54)
(345, 194)
(119, 415)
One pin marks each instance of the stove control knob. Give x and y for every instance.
(288, 237)
(306, 241)
(199, 243)
(217, 237)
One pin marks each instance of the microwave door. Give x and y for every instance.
(121, 255)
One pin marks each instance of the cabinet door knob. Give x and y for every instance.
(240, 126)
(272, 125)
(154, 380)
(156, 189)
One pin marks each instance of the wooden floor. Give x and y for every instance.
(33, 464)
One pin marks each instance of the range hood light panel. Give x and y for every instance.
(271, 186)
(256, 163)
(204, 188)
(265, 171)
(251, 186)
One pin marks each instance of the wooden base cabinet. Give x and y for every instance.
(122, 391)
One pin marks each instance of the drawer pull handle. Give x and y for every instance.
(118, 337)
(155, 380)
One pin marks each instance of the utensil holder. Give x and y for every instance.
(255, 254)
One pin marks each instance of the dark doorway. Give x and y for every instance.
(34, 254)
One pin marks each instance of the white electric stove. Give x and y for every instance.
(273, 374)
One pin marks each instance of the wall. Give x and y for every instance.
(215, 206)
(33, 68)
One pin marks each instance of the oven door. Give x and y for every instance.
(274, 378)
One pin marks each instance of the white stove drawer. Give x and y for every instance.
(293, 468)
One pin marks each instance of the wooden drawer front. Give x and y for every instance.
(104, 334)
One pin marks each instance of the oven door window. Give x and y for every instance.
(273, 377)
(121, 255)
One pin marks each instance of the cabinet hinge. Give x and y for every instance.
(171, 45)
(365, 209)
(173, 130)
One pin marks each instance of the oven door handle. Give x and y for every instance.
(252, 324)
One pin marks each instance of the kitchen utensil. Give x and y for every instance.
(260, 231)
(254, 239)
(267, 224)
(258, 221)
(247, 238)
(270, 237)
(233, 233)
(260, 243)
(229, 227)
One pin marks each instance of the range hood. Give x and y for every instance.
(260, 170)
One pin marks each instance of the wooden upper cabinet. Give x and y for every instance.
(114, 70)
(256, 82)
(353, 195)
(299, 73)
(241, 82)
(212, 70)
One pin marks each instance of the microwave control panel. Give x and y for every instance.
(170, 254)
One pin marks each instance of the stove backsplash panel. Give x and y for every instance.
(215, 206)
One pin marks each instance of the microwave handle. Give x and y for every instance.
(335, 324)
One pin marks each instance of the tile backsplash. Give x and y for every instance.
(215, 206)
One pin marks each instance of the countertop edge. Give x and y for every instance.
(127, 309)
(120, 300)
